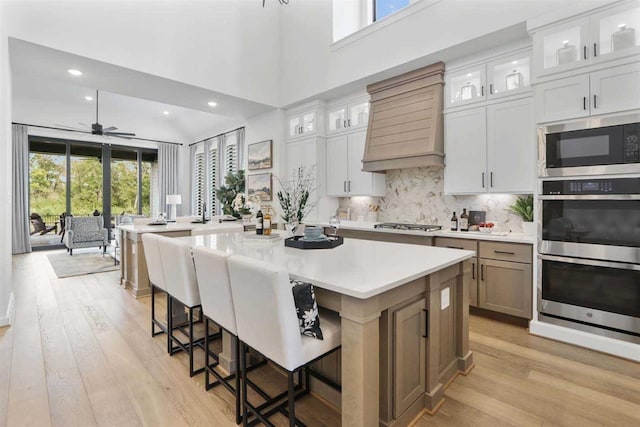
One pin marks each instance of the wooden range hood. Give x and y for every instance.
(406, 124)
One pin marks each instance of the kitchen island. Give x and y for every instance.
(404, 316)
(133, 266)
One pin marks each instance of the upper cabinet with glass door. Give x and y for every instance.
(509, 75)
(561, 47)
(616, 32)
(304, 122)
(348, 115)
(465, 86)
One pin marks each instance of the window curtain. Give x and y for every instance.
(240, 142)
(20, 196)
(168, 174)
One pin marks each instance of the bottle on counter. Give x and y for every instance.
(266, 223)
(464, 221)
(454, 222)
(260, 223)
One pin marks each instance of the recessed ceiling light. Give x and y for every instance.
(469, 75)
(212, 103)
(515, 62)
(89, 98)
(166, 113)
(74, 72)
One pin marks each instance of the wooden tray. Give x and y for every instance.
(296, 242)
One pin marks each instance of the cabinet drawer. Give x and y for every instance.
(453, 243)
(506, 251)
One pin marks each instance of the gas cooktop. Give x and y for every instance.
(401, 226)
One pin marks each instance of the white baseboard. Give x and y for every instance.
(612, 346)
(7, 320)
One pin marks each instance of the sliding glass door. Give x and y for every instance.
(82, 179)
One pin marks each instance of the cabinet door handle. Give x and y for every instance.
(426, 323)
(595, 50)
(349, 122)
(473, 270)
(491, 88)
(584, 52)
(349, 186)
(344, 123)
(504, 252)
(481, 271)
(481, 90)
(595, 101)
(455, 247)
(584, 102)
(491, 179)
(482, 179)
(344, 186)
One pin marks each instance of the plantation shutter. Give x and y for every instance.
(213, 182)
(198, 180)
(230, 153)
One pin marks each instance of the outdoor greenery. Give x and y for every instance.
(48, 185)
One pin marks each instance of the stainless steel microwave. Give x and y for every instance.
(590, 147)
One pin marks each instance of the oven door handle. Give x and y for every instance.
(590, 197)
(592, 262)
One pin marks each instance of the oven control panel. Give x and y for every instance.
(632, 143)
(592, 186)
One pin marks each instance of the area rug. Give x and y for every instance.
(81, 263)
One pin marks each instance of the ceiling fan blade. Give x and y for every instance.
(84, 124)
(123, 136)
(119, 134)
(110, 129)
(68, 127)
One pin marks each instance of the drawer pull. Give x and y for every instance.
(504, 252)
(426, 323)
(455, 247)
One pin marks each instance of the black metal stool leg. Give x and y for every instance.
(243, 372)
(292, 400)
(238, 393)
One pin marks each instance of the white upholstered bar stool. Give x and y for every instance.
(180, 277)
(156, 279)
(212, 272)
(268, 323)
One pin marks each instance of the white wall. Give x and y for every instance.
(229, 46)
(6, 285)
(311, 66)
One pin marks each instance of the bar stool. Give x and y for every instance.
(180, 277)
(267, 322)
(212, 273)
(156, 279)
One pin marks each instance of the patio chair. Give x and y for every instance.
(38, 225)
(85, 232)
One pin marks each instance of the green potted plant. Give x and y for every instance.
(294, 197)
(231, 195)
(523, 207)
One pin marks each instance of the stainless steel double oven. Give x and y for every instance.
(589, 242)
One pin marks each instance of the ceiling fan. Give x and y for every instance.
(98, 129)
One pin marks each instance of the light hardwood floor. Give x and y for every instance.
(80, 354)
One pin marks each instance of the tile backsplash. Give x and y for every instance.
(417, 196)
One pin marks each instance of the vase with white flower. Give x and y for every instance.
(231, 195)
(294, 197)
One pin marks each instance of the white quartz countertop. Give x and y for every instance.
(358, 268)
(474, 235)
(218, 227)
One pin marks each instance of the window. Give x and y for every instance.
(382, 8)
(212, 160)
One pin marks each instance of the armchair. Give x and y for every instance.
(85, 232)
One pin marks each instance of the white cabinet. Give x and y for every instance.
(465, 86)
(303, 124)
(511, 147)
(509, 75)
(609, 34)
(607, 91)
(490, 149)
(344, 168)
(348, 116)
(465, 147)
(563, 99)
(615, 89)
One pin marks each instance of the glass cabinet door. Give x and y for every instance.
(562, 47)
(509, 75)
(337, 119)
(294, 126)
(309, 122)
(466, 86)
(616, 32)
(358, 114)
